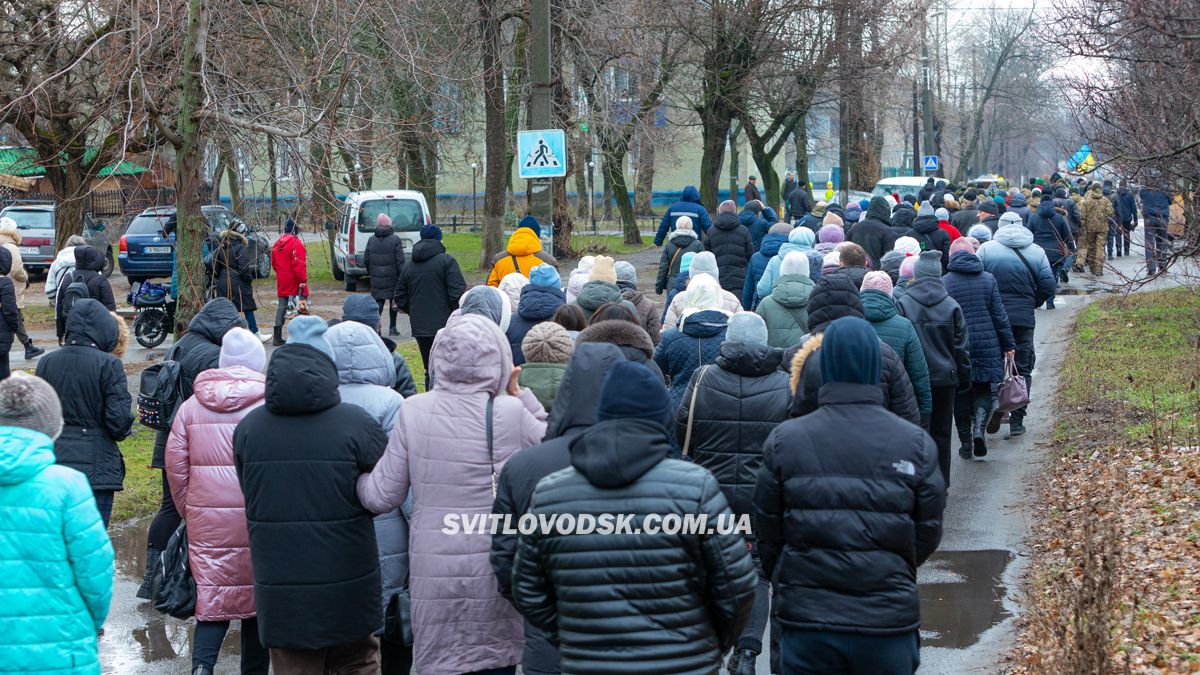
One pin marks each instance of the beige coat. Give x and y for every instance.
(11, 239)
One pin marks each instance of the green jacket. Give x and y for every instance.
(785, 310)
(899, 334)
(543, 380)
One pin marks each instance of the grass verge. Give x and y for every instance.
(143, 485)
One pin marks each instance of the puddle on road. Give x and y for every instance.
(962, 595)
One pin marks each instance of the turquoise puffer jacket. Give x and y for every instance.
(56, 561)
(899, 334)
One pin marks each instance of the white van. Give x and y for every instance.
(901, 185)
(356, 225)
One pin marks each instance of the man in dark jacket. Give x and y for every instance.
(751, 192)
(384, 262)
(730, 243)
(902, 218)
(233, 274)
(1063, 201)
(751, 218)
(799, 203)
(942, 329)
(789, 183)
(874, 233)
(362, 309)
(926, 190)
(298, 459)
(682, 241)
(737, 402)
(967, 214)
(429, 289)
(88, 266)
(540, 299)
(989, 215)
(843, 527)
(574, 412)
(1053, 235)
(616, 603)
(854, 264)
(96, 404)
(1156, 210)
(1126, 207)
(931, 237)
(688, 205)
(11, 323)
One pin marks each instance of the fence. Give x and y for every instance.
(105, 204)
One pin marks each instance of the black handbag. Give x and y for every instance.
(174, 589)
(397, 618)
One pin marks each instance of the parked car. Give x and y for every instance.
(145, 253)
(901, 185)
(37, 226)
(356, 225)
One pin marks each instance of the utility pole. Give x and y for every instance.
(916, 133)
(540, 104)
(927, 100)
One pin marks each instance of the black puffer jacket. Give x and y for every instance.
(573, 413)
(88, 263)
(197, 351)
(843, 527)
(730, 242)
(902, 219)
(96, 405)
(316, 566)
(429, 288)
(233, 272)
(634, 603)
(931, 237)
(10, 316)
(740, 400)
(874, 233)
(384, 261)
(942, 328)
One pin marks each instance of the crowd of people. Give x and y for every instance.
(803, 373)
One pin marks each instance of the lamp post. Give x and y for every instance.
(474, 170)
(592, 193)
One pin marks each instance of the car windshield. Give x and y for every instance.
(31, 219)
(406, 214)
(885, 189)
(148, 223)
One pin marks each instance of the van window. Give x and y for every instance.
(32, 219)
(406, 214)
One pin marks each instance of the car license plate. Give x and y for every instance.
(156, 249)
(28, 250)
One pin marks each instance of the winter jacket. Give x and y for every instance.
(950, 231)
(730, 304)
(204, 484)
(233, 272)
(10, 240)
(898, 333)
(1156, 206)
(785, 310)
(688, 205)
(365, 374)
(942, 329)
(576, 411)
(96, 405)
(931, 237)
(1126, 207)
(965, 217)
(316, 562)
(289, 259)
(730, 243)
(799, 203)
(899, 397)
(739, 400)
(429, 288)
(874, 233)
(61, 268)
(843, 527)
(758, 265)
(521, 255)
(384, 261)
(766, 283)
(760, 226)
(88, 263)
(439, 448)
(1021, 289)
(679, 243)
(902, 219)
(989, 334)
(538, 304)
(10, 315)
(197, 351)
(645, 308)
(1073, 219)
(1095, 210)
(543, 379)
(1051, 232)
(597, 293)
(854, 274)
(633, 603)
(695, 343)
(632, 340)
(56, 560)
(1019, 206)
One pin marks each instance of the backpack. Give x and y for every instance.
(159, 395)
(76, 291)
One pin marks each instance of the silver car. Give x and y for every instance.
(36, 224)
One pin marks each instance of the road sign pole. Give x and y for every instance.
(539, 192)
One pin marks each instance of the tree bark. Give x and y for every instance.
(643, 187)
(496, 170)
(190, 229)
(714, 133)
(231, 175)
(614, 164)
(273, 177)
(515, 88)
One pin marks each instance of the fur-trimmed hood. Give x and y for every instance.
(10, 237)
(619, 333)
(811, 345)
(122, 336)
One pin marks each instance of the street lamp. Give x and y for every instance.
(474, 219)
(592, 193)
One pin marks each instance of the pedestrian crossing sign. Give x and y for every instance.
(542, 153)
(931, 163)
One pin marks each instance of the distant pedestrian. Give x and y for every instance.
(929, 234)
(874, 234)
(785, 310)
(646, 309)
(799, 203)
(703, 264)
(85, 277)
(1156, 212)
(682, 241)
(601, 288)
(522, 254)
(10, 238)
(384, 261)
(10, 314)
(1126, 208)
(233, 274)
(800, 240)
(579, 275)
(62, 266)
(543, 257)
(688, 205)
(750, 193)
(429, 290)
(776, 237)
(1094, 212)
(289, 259)
(730, 243)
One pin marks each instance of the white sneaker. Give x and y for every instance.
(265, 337)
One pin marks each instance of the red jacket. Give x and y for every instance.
(288, 257)
(950, 230)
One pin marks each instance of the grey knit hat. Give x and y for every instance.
(928, 265)
(547, 342)
(29, 402)
(626, 272)
(747, 327)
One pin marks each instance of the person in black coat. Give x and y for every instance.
(97, 406)
(428, 290)
(384, 262)
(843, 526)
(88, 266)
(853, 261)
(799, 203)
(624, 602)
(233, 273)
(874, 233)
(902, 218)
(731, 244)
(931, 237)
(298, 459)
(10, 315)
(739, 400)
(573, 413)
(1053, 235)
(926, 190)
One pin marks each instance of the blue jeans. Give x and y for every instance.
(251, 323)
(806, 652)
(206, 645)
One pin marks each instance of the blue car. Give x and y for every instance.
(144, 252)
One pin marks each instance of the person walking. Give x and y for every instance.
(429, 289)
(601, 288)
(10, 313)
(775, 238)
(543, 257)
(539, 301)
(942, 330)
(989, 341)
(316, 563)
(843, 528)
(800, 240)
(10, 239)
(898, 333)
(384, 262)
(681, 242)
(1053, 235)
(874, 234)
(88, 266)
(702, 264)
(688, 205)
(968, 212)
(617, 603)
(799, 203)
(727, 412)
(289, 259)
(929, 234)
(730, 243)
(56, 555)
(1126, 208)
(461, 623)
(1094, 211)
(647, 311)
(1156, 212)
(204, 486)
(64, 263)
(233, 274)
(549, 349)
(785, 310)
(751, 192)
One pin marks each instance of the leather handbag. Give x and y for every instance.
(1014, 393)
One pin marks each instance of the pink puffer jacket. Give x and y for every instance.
(204, 484)
(438, 447)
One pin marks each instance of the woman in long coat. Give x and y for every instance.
(233, 274)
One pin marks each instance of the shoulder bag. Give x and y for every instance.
(687, 437)
(173, 588)
(491, 452)
(1014, 393)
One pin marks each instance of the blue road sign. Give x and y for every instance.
(542, 153)
(931, 163)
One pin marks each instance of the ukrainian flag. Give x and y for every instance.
(1082, 161)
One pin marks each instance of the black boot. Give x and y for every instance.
(1016, 427)
(392, 332)
(978, 435)
(745, 662)
(33, 351)
(152, 556)
(277, 337)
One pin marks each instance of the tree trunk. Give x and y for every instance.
(70, 200)
(515, 87)
(643, 187)
(735, 157)
(497, 168)
(801, 136)
(231, 175)
(190, 229)
(581, 159)
(273, 177)
(714, 133)
(613, 171)
(324, 206)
